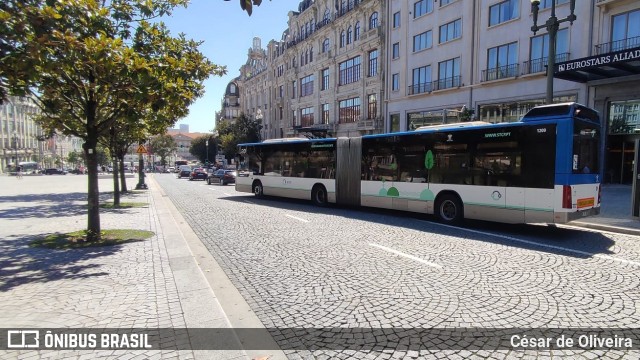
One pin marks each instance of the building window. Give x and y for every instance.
(325, 79)
(445, 2)
(343, 39)
(306, 116)
(373, 21)
(421, 80)
(294, 84)
(372, 106)
(281, 112)
(502, 62)
(356, 34)
(624, 34)
(503, 11)
(396, 20)
(547, 3)
(310, 54)
(395, 51)
(306, 86)
(451, 31)
(422, 7)
(422, 41)
(449, 74)
(539, 52)
(280, 91)
(373, 63)
(394, 125)
(325, 45)
(325, 113)
(349, 71)
(395, 82)
(349, 35)
(295, 121)
(349, 110)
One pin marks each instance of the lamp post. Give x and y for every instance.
(552, 25)
(206, 143)
(15, 149)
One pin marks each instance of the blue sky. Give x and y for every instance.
(227, 32)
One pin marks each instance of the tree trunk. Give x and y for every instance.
(116, 186)
(123, 179)
(93, 195)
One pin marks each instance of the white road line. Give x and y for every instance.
(407, 256)
(297, 218)
(250, 202)
(532, 243)
(226, 193)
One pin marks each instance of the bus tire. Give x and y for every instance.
(258, 191)
(449, 209)
(319, 195)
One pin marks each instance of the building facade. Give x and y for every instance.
(442, 61)
(324, 77)
(22, 138)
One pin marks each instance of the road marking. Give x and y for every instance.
(226, 193)
(250, 202)
(407, 256)
(532, 243)
(297, 218)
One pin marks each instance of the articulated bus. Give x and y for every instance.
(541, 169)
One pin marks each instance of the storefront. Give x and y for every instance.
(614, 86)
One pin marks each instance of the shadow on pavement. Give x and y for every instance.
(20, 264)
(52, 205)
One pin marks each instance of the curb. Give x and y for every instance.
(609, 228)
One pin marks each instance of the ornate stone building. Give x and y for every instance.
(324, 77)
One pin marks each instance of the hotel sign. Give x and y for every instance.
(599, 66)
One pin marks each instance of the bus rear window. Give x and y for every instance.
(586, 145)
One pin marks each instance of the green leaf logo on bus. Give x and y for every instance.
(428, 160)
(427, 194)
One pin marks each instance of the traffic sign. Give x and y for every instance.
(141, 149)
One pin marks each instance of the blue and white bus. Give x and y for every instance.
(541, 169)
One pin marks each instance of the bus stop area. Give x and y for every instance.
(615, 212)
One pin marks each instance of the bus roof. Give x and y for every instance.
(288, 141)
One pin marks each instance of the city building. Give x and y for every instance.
(349, 68)
(324, 77)
(22, 138)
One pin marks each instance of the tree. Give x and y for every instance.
(199, 148)
(242, 130)
(92, 63)
(163, 146)
(247, 5)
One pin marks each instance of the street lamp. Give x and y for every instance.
(15, 149)
(207, 145)
(552, 25)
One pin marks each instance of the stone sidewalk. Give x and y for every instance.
(152, 284)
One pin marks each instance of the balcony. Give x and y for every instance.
(540, 65)
(501, 72)
(421, 88)
(628, 43)
(446, 83)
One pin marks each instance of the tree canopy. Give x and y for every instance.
(241, 130)
(97, 66)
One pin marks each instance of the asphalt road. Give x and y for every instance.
(304, 267)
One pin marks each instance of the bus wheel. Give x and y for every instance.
(319, 195)
(449, 209)
(257, 189)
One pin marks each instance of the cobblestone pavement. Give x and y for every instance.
(299, 266)
(123, 286)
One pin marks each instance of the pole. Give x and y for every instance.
(552, 28)
(141, 185)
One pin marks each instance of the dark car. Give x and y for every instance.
(54, 172)
(198, 174)
(222, 176)
(184, 171)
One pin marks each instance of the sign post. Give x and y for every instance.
(141, 150)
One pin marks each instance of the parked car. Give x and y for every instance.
(222, 177)
(198, 173)
(53, 171)
(171, 169)
(184, 171)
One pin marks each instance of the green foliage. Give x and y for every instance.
(163, 146)
(80, 239)
(247, 5)
(242, 130)
(101, 71)
(199, 148)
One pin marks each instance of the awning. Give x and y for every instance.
(610, 65)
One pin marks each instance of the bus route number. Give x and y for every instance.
(542, 130)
